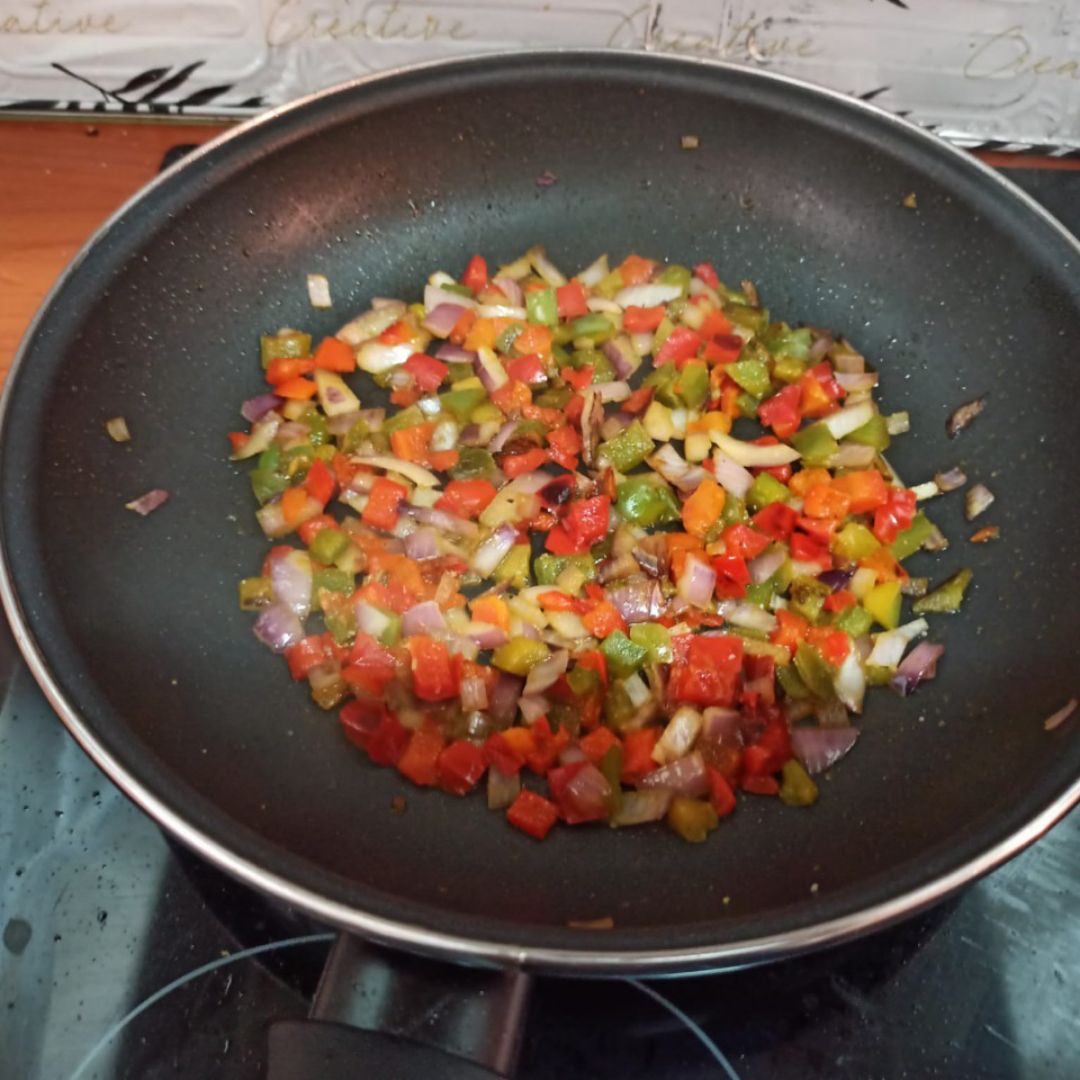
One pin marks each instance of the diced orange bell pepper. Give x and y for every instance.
(298, 389)
(604, 619)
(866, 490)
(701, 512)
(790, 629)
(334, 355)
(805, 479)
(534, 339)
(482, 335)
(293, 502)
(635, 270)
(411, 443)
(826, 501)
(679, 546)
(492, 610)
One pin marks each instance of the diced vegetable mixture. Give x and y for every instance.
(622, 548)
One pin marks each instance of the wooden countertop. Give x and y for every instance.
(59, 179)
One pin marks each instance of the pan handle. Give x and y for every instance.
(379, 1012)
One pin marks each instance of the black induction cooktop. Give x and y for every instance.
(122, 955)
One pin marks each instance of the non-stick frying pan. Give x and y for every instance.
(131, 624)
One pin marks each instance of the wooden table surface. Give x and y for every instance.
(59, 179)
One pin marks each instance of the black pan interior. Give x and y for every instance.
(971, 293)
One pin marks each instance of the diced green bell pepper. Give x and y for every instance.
(583, 681)
(629, 448)
(748, 405)
(339, 616)
(946, 598)
(319, 431)
(854, 542)
(781, 340)
(807, 596)
(692, 384)
(814, 671)
(474, 463)
(675, 274)
(410, 417)
(265, 484)
(815, 443)
(751, 375)
(624, 657)
(554, 397)
(609, 284)
(333, 580)
(327, 545)
(459, 370)
(734, 511)
(284, 346)
(875, 433)
(519, 655)
(458, 288)
(514, 567)
(750, 318)
(762, 593)
(647, 501)
(764, 491)
(661, 334)
(788, 369)
(611, 768)
(796, 787)
(595, 326)
(618, 708)
(692, 819)
(655, 640)
(540, 307)
(791, 682)
(459, 403)
(854, 620)
(547, 568)
(255, 593)
(505, 340)
(913, 537)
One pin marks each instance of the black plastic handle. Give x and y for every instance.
(382, 1013)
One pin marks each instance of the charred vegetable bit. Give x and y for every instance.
(621, 548)
(964, 416)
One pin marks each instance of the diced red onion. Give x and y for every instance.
(569, 754)
(442, 520)
(492, 373)
(585, 797)
(502, 790)
(523, 628)
(697, 582)
(547, 672)
(677, 472)
(765, 565)
(919, 665)
(611, 391)
(820, 748)
(343, 422)
(290, 581)
(850, 681)
(687, 776)
(278, 627)
(731, 476)
(640, 600)
(747, 615)
(504, 698)
(148, 503)
(721, 725)
(485, 635)
(422, 543)
(848, 361)
(976, 500)
(647, 295)
(533, 707)
(493, 550)
(819, 347)
(856, 380)
(641, 807)
(951, 479)
(623, 360)
(503, 436)
(423, 618)
(257, 407)
(510, 289)
(836, 579)
(434, 296)
(454, 354)
(473, 693)
(442, 318)
(292, 431)
(615, 424)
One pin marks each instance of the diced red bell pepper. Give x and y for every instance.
(434, 676)
(776, 520)
(500, 752)
(826, 379)
(419, 762)
(896, 515)
(770, 751)
(306, 654)
(706, 670)
(682, 345)
(782, 412)
(604, 619)
(532, 814)
(547, 745)
(565, 445)
(371, 667)
(460, 766)
(516, 464)
(594, 660)
(638, 401)
(707, 272)
(381, 511)
(807, 550)
(598, 742)
(643, 320)
(724, 349)
(427, 372)
(720, 794)
(308, 530)
(320, 482)
(760, 785)
(476, 273)
(759, 681)
(840, 600)
(360, 719)
(834, 645)
(637, 760)
(740, 539)
(284, 369)
(466, 498)
(570, 300)
(586, 521)
(527, 369)
(715, 325)
(578, 378)
(335, 355)
(790, 630)
(732, 576)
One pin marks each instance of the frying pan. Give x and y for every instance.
(131, 625)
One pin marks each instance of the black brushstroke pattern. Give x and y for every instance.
(899, 4)
(144, 78)
(207, 93)
(171, 83)
(869, 95)
(85, 81)
(252, 103)
(35, 104)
